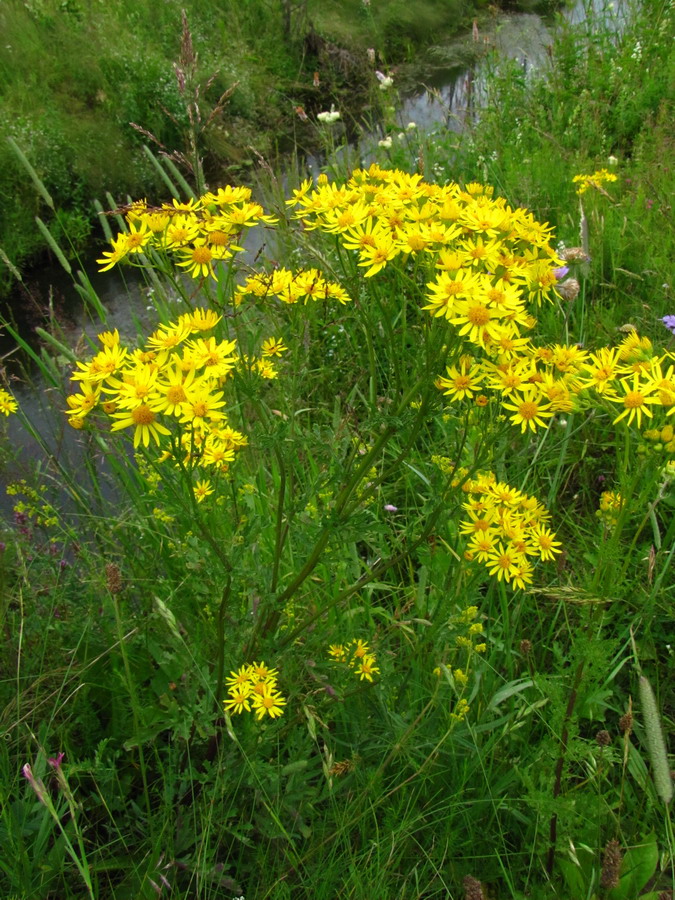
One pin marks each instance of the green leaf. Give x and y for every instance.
(574, 878)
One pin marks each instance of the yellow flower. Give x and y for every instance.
(461, 382)
(361, 649)
(82, 404)
(367, 668)
(273, 347)
(379, 254)
(636, 399)
(110, 258)
(528, 411)
(461, 710)
(145, 424)
(201, 319)
(504, 562)
(460, 676)
(544, 542)
(202, 490)
(168, 336)
(268, 702)
(109, 338)
(216, 357)
(239, 678)
(262, 672)
(172, 389)
(200, 406)
(596, 180)
(7, 403)
(239, 700)
(198, 260)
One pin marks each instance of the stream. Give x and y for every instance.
(442, 89)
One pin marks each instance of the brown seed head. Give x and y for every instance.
(575, 254)
(113, 578)
(611, 865)
(569, 289)
(626, 723)
(525, 647)
(473, 889)
(603, 738)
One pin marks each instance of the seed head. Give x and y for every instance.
(655, 742)
(525, 647)
(576, 254)
(603, 738)
(113, 578)
(473, 889)
(626, 723)
(569, 289)
(611, 865)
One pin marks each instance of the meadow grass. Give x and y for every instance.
(440, 720)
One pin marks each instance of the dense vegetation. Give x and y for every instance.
(348, 572)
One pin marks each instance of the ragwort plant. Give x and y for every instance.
(328, 539)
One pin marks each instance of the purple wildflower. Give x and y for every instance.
(35, 783)
(669, 322)
(561, 272)
(55, 762)
(389, 507)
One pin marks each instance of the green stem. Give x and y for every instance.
(220, 633)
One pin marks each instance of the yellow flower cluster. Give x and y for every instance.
(661, 439)
(7, 403)
(596, 180)
(491, 260)
(168, 391)
(289, 287)
(254, 688)
(505, 528)
(358, 656)
(535, 383)
(611, 504)
(461, 710)
(198, 233)
(33, 507)
(474, 630)
(470, 641)
(492, 263)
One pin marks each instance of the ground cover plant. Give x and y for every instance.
(362, 585)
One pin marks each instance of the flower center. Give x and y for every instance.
(201, 255)
(633, 400)
(143, 415)
(176, 394)
(478, 315)
(528, 410)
